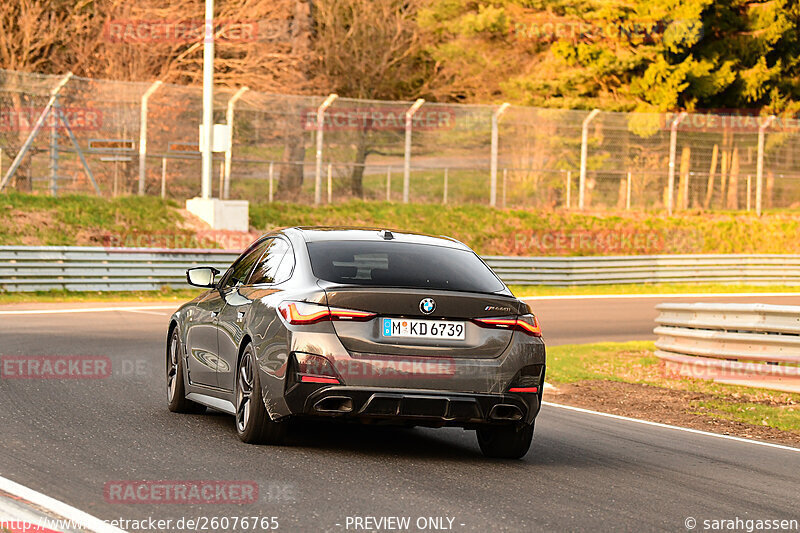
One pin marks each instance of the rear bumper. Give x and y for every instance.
(419, 407)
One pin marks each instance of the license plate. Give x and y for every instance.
(423, 329)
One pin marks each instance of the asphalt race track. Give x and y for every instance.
(69, 438)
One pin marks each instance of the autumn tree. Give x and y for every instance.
(370, 49)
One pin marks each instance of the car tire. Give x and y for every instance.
(253, 423)
(505, 442)
(176, 388)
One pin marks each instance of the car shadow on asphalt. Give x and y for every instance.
(377, 440)
(444, 444)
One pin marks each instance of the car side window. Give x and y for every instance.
(269, 268)
(286, 267)
(241, 269)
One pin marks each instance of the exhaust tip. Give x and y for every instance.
(334, 405)
(505, 412)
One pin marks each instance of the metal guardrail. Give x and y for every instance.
(72, 268)
(753, 269)
(37, 268)
(754, 344)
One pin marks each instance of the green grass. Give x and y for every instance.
(786, 418)
(85, 220)
(547, 232)
(524, 291)
(166, 294)
(606, 360)
(634, 362)
(88, 220)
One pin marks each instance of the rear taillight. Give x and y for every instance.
(526, 323)
(303, 313)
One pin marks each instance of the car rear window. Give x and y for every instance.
(401, 264)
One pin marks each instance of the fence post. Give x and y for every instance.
(505, 177)
(163, 177)
(493, 163)
(673, 145)
(54, 153)
(407, 156)
(748, 192)
(320, 126)
(388, 184)
(628, 194)
(229, 151)
(271, 176)
(444, 198)
(330, 182)
(569, 188)
(143, 133)
(17, 161)
(760, 162)
(584, 154)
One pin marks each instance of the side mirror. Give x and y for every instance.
(202, 277)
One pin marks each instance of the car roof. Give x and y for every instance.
(345, 233)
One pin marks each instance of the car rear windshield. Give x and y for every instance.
(401, 264)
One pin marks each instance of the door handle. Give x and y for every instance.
(214, 314)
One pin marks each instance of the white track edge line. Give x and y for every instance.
(60, 508)
(86, 310)
(668, 426)
(684, 295)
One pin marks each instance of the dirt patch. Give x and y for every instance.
(31, 225)
(667, 406)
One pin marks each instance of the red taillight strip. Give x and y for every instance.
(523, 389)
(514, 323)
(290, 312)
(293, 315)
(533, 329)
(349, 314)
(319, 379)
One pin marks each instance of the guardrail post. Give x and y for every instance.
(407, 157)
(493, 163)
(229, 152)
(143, 133)
(760, 162)
(584, 155)
(320, 127)
(673, 145)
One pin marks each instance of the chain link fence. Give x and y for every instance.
(539, 161)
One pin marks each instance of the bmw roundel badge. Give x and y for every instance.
(427, 305)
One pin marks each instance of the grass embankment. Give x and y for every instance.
(88, 220)
(627, 378)
(519, 232)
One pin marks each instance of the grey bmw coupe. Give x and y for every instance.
(367, 325)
